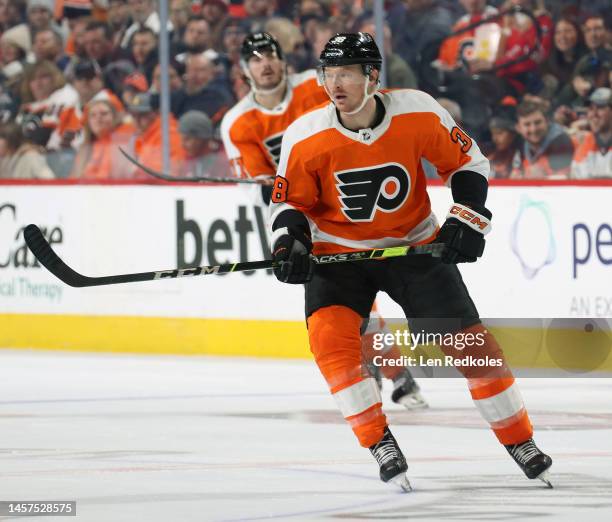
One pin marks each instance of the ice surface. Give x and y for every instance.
(202, 438)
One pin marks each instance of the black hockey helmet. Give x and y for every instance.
(349, 49)
(256, 43)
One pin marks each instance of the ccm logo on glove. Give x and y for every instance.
(471, 218)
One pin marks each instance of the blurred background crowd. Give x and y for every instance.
(529, 79)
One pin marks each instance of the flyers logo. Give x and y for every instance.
(364, 191)
(273, 146)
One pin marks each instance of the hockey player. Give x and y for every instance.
(350, 178)
(252, 132)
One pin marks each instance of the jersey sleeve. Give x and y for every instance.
(246, 157)
(296, 187)
(450, 149)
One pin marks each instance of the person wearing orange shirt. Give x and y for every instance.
(252, 132)
(350, 178)
(146, 144)
(99, 158)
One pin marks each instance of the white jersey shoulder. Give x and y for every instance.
(299, 78)
(304, 127)
(406, 101)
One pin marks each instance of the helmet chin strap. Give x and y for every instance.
(366, 97)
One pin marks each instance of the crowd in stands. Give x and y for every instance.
(529, 79)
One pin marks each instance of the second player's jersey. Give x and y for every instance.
(252, 134)
(367, 189)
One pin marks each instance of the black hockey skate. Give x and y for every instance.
(392, 463)
(531, 460)
(407, 392)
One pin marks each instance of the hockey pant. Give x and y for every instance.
(336, 345)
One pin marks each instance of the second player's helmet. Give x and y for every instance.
(256, 43)
(350, 49)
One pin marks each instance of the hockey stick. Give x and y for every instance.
(193, 179)
(41, 248)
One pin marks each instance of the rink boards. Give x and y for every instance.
(549, 255)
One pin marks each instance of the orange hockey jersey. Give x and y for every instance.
(367, 189)
(252, 134)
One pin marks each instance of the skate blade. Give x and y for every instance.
(401, 480)
(545, 477)
(413, 401)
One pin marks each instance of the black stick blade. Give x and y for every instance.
(42, 250)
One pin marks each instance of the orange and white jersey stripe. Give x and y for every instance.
(367, 189)
(591, 160)
(252, 134)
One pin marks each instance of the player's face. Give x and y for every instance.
(533, 127)
(266, 69)
(345, 86)
(600, 118)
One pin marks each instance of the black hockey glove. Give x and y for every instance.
(463, 233)
(291, 249)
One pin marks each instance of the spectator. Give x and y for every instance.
(12, 13)
(203, 155)
(176, 71)
(291, 41)
(118, 19)
(40, 15)
(134, 84)
(144, 51)
(430, 22)
(146, 144)
(568, 48)
(45, 93)
(180, 11)
(258, 12)
(345, 13)
(197, 38)
(75, 45)
(99, 156)
(322, 33)
(49, 45)
(20, 156)
(215, 12)
(198, 94)
(89, 83)
(593, 157)
(506, 145)
(399, 74)
(98, 43)
(547, 149)
(233, 35)
(144, 14)
(15, 45)
(592, 69)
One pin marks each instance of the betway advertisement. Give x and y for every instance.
(549, 254)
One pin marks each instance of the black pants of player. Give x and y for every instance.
(422, 285)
